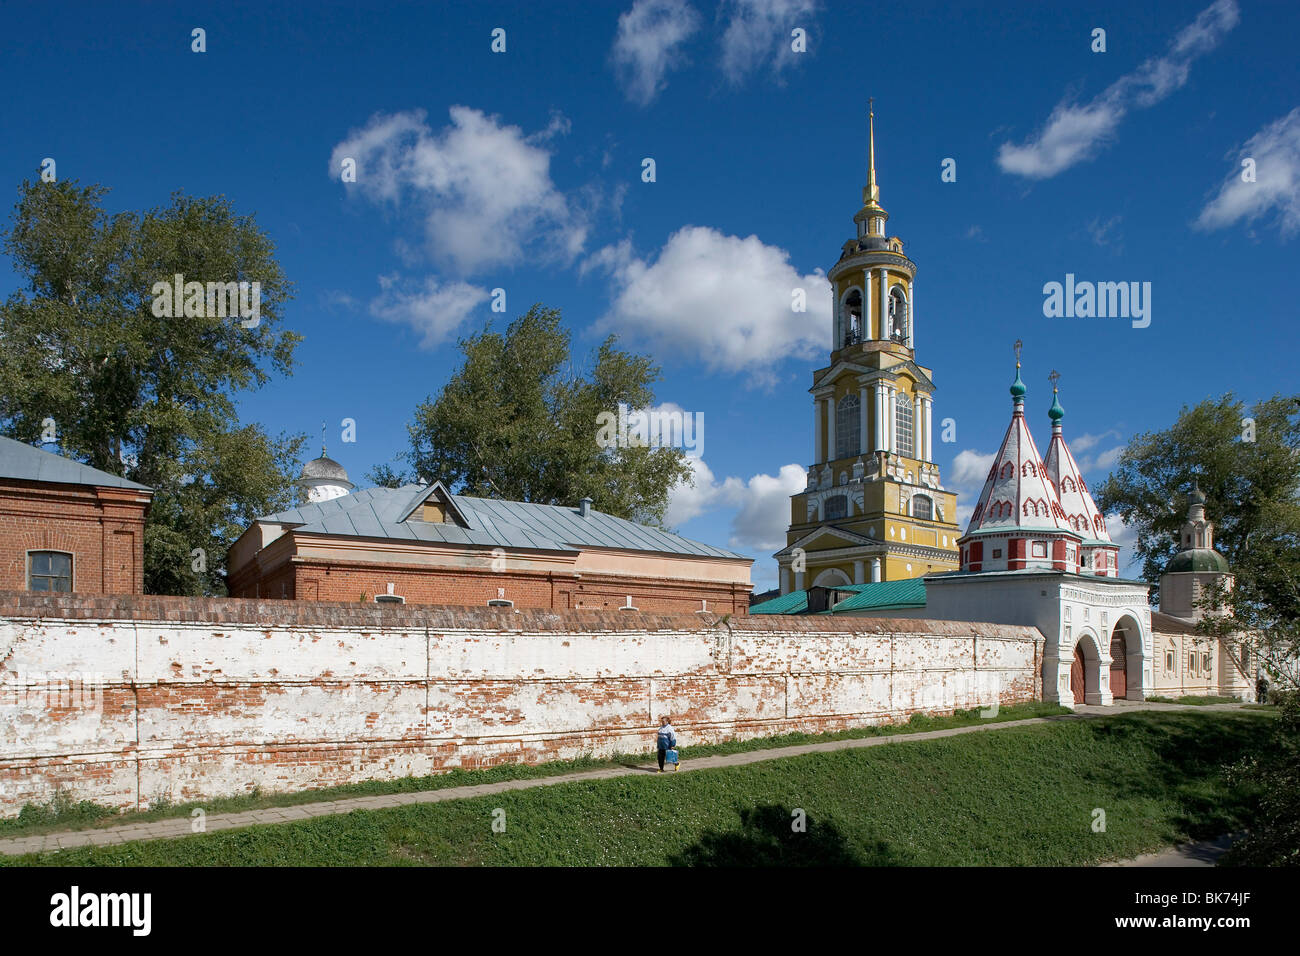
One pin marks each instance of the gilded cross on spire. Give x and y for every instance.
(1018, 346)
(1054, 378)
(322, 440)
(873, 190)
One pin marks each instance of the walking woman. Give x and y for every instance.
(667, 743)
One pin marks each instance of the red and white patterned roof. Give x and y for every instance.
(1081, 513)
(1018, 492)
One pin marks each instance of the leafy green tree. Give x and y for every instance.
(519, 421)
(1274, 835)
(147, 397)
(1253, 498)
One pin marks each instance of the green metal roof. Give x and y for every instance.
(1197, 559)
(880, 595)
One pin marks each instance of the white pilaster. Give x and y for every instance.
(911, 308)
(881, 427)
(884, 304)
(830, 428)
(891, 402)
(929, 413)
(867, 304)
(858, 571)
(918, 413)
(798, 580)
(875, 570)
(818, 458)
(864, 417)
(785, 579)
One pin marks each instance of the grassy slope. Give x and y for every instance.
(1014, 796)
(62, 814)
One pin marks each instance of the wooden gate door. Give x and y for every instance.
(1118, 666)
(1076, 675)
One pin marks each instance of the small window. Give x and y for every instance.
(49, 571)
(1191, 663)
(1169, 662)
(389, 599)
(500, 602)
(997, 552)
(922, 507)
(1205, 663)
(837, 506)
(1040, 549)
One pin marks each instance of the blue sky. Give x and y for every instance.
(522, 170)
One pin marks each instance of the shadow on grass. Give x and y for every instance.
(766, 838)
(1192, 751)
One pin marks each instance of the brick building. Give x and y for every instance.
(65, 526)
(420, 544)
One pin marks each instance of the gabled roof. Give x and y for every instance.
(829, 531)
(381, 513)
(22, 462)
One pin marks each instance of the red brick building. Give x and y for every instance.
(420, 544)
(65, 526)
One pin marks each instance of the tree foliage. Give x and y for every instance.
(151, 399)
(1253, 498)
(518, 421)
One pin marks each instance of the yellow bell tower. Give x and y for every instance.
(874, 508)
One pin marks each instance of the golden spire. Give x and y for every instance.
(871, 195)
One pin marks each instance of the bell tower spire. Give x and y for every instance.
(872, 193)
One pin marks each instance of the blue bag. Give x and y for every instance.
(670, 756)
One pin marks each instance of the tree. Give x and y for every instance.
(519, 421)
(150, 397)
(1248, 465)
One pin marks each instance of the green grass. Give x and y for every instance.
(1021, 795)
(61, 814)
(1195, 701)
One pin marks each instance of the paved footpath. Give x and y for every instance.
(180, 826)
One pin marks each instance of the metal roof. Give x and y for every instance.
(22, 462)
(878, 595)
(378, 513)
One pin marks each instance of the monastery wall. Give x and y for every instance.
(125, 700)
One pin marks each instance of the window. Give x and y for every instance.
(898, 315)
(1205, 663)
(837, 506)
(922, 507)
(851, 318)
(500, 602)
(997, 552)
(1191, 663)
(847, 427)
(49, 571)
(389, 599)
(1169, 662)
(1040, 549)
(903, 423)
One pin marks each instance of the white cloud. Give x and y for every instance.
(762, 505)
(483, 189)
(1085, 442)
(1073, 132)
(1101, 461)
(646, 47)
(724, 300)
(1276, 152)
(1105, 233)
(758, 33)
(971, 468)
(433, 309)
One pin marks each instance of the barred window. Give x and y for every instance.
(848, 427)
(922, 507)
(49, 571)
(903, 424)
(837, 506)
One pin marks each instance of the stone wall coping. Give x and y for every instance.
(148, 608)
